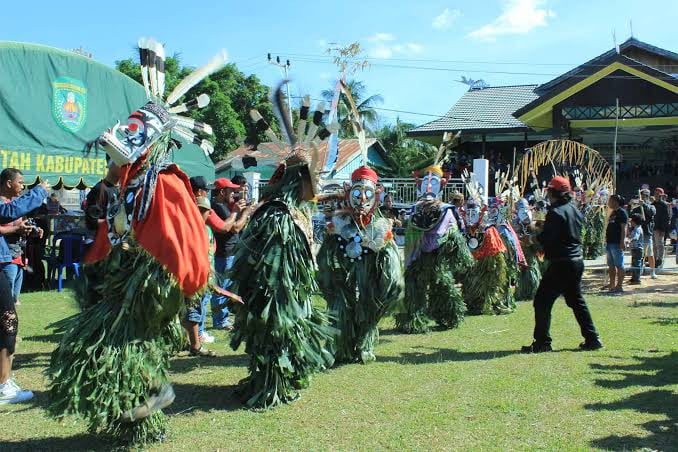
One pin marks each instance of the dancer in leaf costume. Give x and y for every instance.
(149, 256)
(286, 337)
(486, 284)
(436, 256)
(530, 275)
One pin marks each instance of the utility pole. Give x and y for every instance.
(614, 145)
(284, 68)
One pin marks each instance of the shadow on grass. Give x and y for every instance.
(655, 304)
(82, 442)
(30, 360)
(436, 355)
(653, 373)
(190, 397)
(47, 338)
(189, 363)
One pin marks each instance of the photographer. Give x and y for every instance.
(12, 182)
(230, 205)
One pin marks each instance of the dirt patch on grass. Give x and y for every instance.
(666, 286)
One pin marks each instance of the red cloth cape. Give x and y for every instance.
(492, 244)
(173, 232)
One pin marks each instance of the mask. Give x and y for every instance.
(430, 186)
(472, 214)
(362, 196)
(523, 212)
(125, 144)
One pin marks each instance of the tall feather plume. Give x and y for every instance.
(303, 117)
(315, 124)
(159, 51)
(263, 126)
(284, 119)
(216, 63)
(192, 124)
(189, 136)
(201, 101)
(143, 60)
(151, 45)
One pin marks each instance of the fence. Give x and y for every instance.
(404, 190)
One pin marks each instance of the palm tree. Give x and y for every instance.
(364, 104)
(403, 155)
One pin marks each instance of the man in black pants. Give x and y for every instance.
(561, 240)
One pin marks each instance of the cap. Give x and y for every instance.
(645, 192)
(200, 183)
(222, 183)
(560, 184)
(659, 191)
(203, 203)
(364, 173)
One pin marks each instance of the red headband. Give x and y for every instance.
(364, 173)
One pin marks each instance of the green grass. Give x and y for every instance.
(461, 389)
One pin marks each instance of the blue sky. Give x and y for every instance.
(488, 39)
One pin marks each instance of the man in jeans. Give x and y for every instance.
(615, 233)
(636, 245)
(662, 221)
(561, 240)
(647, 213)
(229, 205)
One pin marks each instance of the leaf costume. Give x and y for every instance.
(286, 337)
(360, 271)
(593, 231)
(149, 256)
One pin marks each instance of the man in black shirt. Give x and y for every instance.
(615, 233)
(230, 207)
(662, 222)
(98, 198)
(561, 240)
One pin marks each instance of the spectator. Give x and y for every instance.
(54, 206)
(195, 314)
(662, 221)
(636, 245)
(244, 188)
(233, 209)
(561, 240)
(457, 204)
(614, 242)
(647, 213)
(201, 190)
(15, 233)
(10, 392)
(104, 193)
(388, 211)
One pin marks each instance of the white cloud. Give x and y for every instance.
(517, 17)
(444, 20)
(386, 45)
(381, 37)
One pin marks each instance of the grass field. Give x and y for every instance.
(462, 389)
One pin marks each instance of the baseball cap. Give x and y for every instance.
(200, 183)
(203, 203)
(645, 192)
(223, 182)
(560, 184)
(659, 191)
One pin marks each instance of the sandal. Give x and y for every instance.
(202, 352)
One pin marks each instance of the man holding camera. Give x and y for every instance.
(230, 205)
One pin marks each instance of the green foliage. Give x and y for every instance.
(404, 155)
(529, 278)
(232, 95)
(593, 233)
(364, 104)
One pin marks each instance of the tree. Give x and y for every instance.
(364, 104)
(232, 96)
(404, 155)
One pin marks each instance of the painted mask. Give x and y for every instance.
(125, 144)
(472, 213)
(523, 212)
(363, 196)
(431, 184)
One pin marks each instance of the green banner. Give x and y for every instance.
(53, 106)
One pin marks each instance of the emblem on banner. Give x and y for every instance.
(69, 103)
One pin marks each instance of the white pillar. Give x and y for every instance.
(481, 169)
(253, 179)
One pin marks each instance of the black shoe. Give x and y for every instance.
(591, 345)
(536, 348)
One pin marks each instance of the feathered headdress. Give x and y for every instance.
(125, 144)
(300, 145)
(448, 143)
(473, 188)
(506, 187)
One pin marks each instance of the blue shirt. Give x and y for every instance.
(17, 208)
(636, 237)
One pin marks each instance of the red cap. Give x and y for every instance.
(222, 183)
(659, 191)
(560, 184)
(364, 173)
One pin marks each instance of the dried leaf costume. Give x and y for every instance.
(530, 275)
(286, 337)
(149, 256)
(360, 270)
(436, 257)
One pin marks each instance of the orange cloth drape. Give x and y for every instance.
(492, 244)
